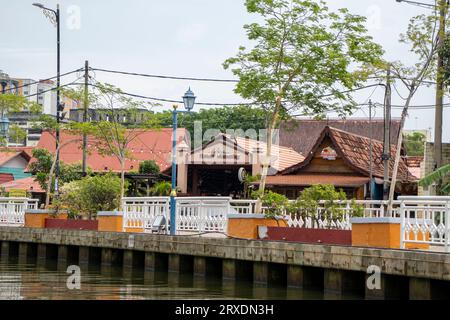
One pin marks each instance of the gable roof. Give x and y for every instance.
(354, 150)
(28, 184)
(283, 157)
(302, 134)
(9, 153)
(149, 144)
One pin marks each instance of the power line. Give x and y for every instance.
(164, 76)
(42, 80)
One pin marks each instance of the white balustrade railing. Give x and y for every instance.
(425, 220)
(12, 210)
(209, 214)
(140, 213)
(202, 214)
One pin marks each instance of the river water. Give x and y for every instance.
(29, 281)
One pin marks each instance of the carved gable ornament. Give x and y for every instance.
(328, 153)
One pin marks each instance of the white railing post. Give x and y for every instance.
(447, 225)
(402, 225)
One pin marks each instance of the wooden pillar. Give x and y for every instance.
(200, 266)
(419, 289)
(5, 250)
(106, 259)
(333, 281)
(62, 257)
(295, 276)
(260, 273)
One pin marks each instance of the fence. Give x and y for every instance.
(209, 214)
(425, 220)
(12, 210)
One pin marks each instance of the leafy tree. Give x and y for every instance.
(415, 143)
(423, 37)
(43, 169)
(17, 134)
(112, 137)
(149, 167)
(305, 58)
(435, 177)
(222, 119)
(91, 194)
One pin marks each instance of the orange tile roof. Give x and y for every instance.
(148, 145)
(354, 150)
(310, 179)
(23, 184)
(8, 153)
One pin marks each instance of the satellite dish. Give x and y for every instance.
(241, 174)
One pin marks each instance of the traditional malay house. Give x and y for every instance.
(342, 159)
(213, 169)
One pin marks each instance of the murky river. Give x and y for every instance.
(29, 281)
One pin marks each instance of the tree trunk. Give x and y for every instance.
(49, 183)
(122, 182)
(266, 161)
(398, 151)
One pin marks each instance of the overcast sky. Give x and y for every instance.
(175, 37)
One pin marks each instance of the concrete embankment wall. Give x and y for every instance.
(334, 268)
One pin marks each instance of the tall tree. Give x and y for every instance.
(423, 37)
(111, 136)
(305, 58)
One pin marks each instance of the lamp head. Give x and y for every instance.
(39, 5)
(189, 99)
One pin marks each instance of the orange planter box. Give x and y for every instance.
(110, 221)
(246, 226)
(36, 218)
(380, 233)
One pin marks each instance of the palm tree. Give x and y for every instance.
(435, 176)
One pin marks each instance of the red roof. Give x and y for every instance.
(6, 177)
(6, 154)
(148, 145)
(23, 184)
(354, 150)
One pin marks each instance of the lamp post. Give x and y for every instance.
(189, 101)
(54, 16)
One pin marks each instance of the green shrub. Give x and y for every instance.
(149, 167)
(89, 195)
(333, 203)
(161, 189)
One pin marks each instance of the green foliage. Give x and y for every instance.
(222, 119)
(415, 144)
(17, 134)
(303, 52)
(41, 169)
(91, 194)
(274, 203)
(248, 186)
(435, 177)
(149, 167)
(161, 189)
(327, 197)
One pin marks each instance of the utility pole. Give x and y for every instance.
(85, 111)
(370, 151)
(443, 6)
(387, 135)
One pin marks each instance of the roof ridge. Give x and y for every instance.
(354, 134)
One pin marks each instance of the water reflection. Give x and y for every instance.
(47, 280)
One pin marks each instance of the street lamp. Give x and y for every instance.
(189, 101)
(54, 16)
(419, 4)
